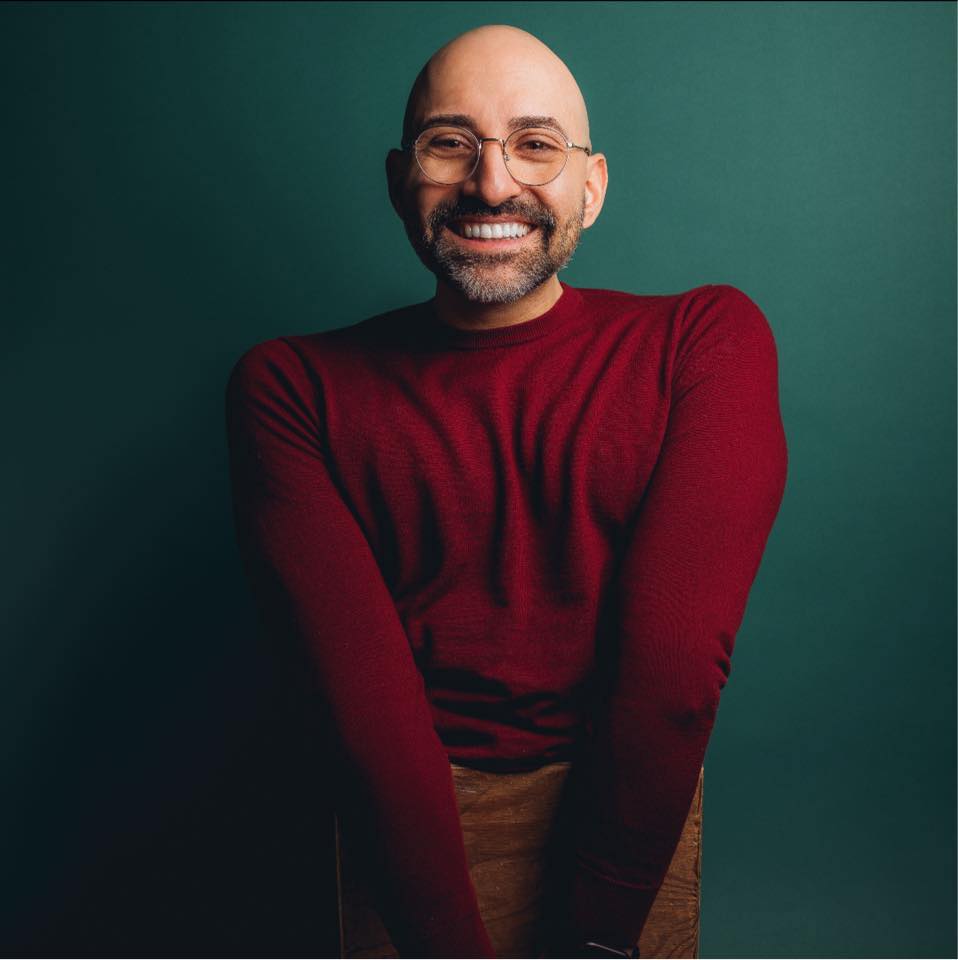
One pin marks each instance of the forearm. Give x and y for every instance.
(318, 585)
(637, 788)
(675, 606)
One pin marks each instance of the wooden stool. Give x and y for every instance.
(513, 827)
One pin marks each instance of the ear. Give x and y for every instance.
(395, 178)
(596, 182)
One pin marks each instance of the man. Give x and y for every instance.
(517, 523)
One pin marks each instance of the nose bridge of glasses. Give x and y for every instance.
(505, 156)
(483, 140)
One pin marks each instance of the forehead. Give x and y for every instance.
(498, 95)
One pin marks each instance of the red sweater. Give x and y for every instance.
(510, 547)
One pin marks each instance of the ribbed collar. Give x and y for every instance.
(566, 308)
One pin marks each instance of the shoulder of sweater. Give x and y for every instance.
(707, 295)
(277, 367)
(726, 304)
(270, 355)
(303, 344)
(283, 350)
(720, 326)
(722, 309)
(299, 358)
(722, 314)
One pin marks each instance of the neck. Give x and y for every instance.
(453, 309)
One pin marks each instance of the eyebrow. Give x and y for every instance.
(516, 123)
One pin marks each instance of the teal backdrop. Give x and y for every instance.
(181, 181)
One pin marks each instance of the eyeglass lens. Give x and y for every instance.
(533, 155)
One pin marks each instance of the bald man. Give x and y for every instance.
(514, 525)
(485, 285)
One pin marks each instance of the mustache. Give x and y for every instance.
(442, 216)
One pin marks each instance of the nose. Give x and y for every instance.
(491, 181)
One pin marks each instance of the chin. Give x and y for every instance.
(479, 289)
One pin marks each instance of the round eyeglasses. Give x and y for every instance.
(534, 156)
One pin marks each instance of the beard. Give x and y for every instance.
(495, 277)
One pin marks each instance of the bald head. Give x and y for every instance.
(495, 81)
(503, 63)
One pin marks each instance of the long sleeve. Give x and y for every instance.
(689, 562)
(316, 580)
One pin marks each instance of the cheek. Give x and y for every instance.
(416, 199)
(561, 205)
(418, 220)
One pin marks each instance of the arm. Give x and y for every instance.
(316, 581)
(676, 605)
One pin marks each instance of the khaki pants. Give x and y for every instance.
(517, 838)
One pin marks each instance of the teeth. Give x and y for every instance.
(495, 231)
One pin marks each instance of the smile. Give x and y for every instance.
(491, 231)
(502, 233)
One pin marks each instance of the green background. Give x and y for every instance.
(182, 181)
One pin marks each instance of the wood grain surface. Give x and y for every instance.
(517, 837)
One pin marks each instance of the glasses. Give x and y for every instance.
(534, 156)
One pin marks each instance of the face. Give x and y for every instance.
(438, 217)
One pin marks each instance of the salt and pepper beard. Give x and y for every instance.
(465, 270)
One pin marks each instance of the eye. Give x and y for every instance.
(446, 141)
(537, 143)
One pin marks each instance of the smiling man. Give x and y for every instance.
(506, 147)
(515, 525)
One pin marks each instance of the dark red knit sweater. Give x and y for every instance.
(510, 547)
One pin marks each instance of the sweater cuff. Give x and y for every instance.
(607, 910)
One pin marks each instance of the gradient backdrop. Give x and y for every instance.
(181, 181)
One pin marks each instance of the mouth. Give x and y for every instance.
(491, 234)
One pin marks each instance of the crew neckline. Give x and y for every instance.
(568, 306)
